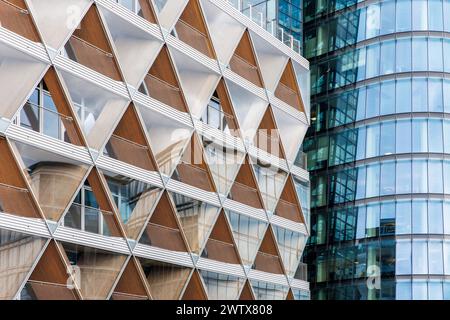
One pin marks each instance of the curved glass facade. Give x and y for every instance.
(379, 149)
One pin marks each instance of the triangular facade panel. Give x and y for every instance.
(163, 229)
(56, 20)
(136, 49)
(220, 245)
(90, 46)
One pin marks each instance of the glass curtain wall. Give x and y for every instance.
(378, 148)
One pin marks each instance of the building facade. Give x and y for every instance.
(378, 148)
(147, 152)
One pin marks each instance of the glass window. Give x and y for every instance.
(403, 15)
(435, 222)
(373, 180)
(403, 55)
(373, 220)
(419, 135)
(435, 176)
(420, 257)
(419, 175)
(447, 15)
(361, 143)
(435, 15)
(419, 17)
(446, 258)
(446, 165)
(435, 290)
(403, 136)
(361, 223)
(419, 290)
(403, 96)
(387, 59)
(435, 100)
(387, 105)
(419, 216)
(446, 49)
(403, 290)
(361, 183)
(435, 139)
(420, 56)
(387, 138)
(373, 141)
(387, 178)
(373, 61)
(403, 217)
(446, 136)
(373, 20)
(403, 177)
(373, 101)
(361, 104)
(436, 263)
(403, 253)
(387, 17)
(420, 97)
(446, 85)
(435, 62)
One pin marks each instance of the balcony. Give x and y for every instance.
(288, 210)
(245, 70)
(163, 237)
(89, 55)
(245, 194)
(289, 96)
(17, 20)
(194, 176)
(193, 37)
(220, 251)
(267, 263)
(164, 92)
(128, 151)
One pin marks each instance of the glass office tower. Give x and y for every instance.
(378, 148)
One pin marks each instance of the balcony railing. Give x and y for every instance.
(193, 37)
(128, 151)
(17, 201)
(252, 12)
(220, 251)
(245, 194)
(193, 175)
(288, 95)
(163, 237)
(91, 56)
(245, 69)
(267, 263)
(287, 210)
(164, 92)
(17, 19)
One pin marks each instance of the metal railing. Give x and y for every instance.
(270, 26)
